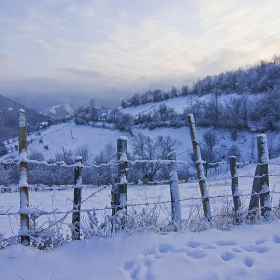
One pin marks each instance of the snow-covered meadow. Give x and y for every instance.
(242, 252)
(222, 251)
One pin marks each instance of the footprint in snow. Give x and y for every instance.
(249, 262)
(260, 241)
(131, 267)
(193, 244)
(196, 254)
(276, 238)
(163, 248)
(209, 247)
(227, 256)
(225, 243)
(256, 248)
(236, 250)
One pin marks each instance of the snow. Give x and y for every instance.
(22, 157)
(264, 149)
(21, 118)
(22, 178)
(244, 252)
(124, 138)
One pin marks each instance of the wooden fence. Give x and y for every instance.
(260, 198)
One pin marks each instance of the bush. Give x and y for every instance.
(3, 149)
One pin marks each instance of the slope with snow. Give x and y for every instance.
(58, 111)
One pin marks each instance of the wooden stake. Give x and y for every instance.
(119, 190)
(235, 191)
(255, 199)
(263, 159)
(23, 185)
(260, 190)
(199, 168)
(76, 215)
(174, 189)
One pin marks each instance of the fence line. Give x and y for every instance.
(260, 191)
(132, 162)
(128, 204)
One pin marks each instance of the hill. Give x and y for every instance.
(9, 118)
(241, 99)
(58, 111)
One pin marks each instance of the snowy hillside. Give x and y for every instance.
(178, 104)
(69, 136)
(58, 111)
(182, 102)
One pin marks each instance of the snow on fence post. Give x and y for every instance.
(174, 189)
(23, 185)
(260, 189)
(235, 191)
(119, 190)
(76, 214)
(199, 168)
(264, 177)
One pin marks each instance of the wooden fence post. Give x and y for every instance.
(119, 190)
(260, 189)
(254, 200)
(23, 185)
(199, 168)
(235, 191)
(264, 177)
(76, 214)
(174, 188)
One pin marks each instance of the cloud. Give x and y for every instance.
(3, 57)
(93, 45)
(83, 73)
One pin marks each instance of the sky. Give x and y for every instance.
(109, 48)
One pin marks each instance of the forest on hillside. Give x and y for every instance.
(242, 99)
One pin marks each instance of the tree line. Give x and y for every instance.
(239, 100)
(100, 169)
(259, 78)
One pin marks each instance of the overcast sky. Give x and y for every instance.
(123, 46)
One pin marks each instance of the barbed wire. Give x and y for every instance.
(43, 212)
(115, 162)
(191, 180)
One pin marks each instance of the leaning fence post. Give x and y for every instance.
(76, 214)
(199, 168)
(174, 188)
(235, 191)
(23, 185)
(264, 177)
(119, 190)
(254, 200)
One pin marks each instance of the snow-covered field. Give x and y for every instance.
(68, 136)
(243, 252)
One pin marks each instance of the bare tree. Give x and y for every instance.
(152, 150)
(210, 140)
(84, 152)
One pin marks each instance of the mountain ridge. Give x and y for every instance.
(9, 118)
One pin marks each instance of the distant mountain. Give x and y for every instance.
(9, 118)
(58, 111)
